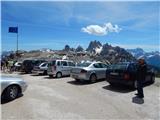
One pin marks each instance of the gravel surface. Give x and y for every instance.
(50, 98)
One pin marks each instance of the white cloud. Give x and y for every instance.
(101, 30)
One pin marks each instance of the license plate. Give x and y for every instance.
(75, 76)
(113, 73)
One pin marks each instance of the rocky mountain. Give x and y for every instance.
(108, 52)
(152, 58)
(79, 49)
(66, 48)
(115, 54)
(136, 52)
(94, 47)
(6, 53)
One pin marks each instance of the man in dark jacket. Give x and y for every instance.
(141, 73)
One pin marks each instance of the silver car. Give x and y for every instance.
(41, 69)
(11, 87)
(90, 71)
(59, 68)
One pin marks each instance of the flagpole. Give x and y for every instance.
(17, 41)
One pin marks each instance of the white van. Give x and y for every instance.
(59, 68)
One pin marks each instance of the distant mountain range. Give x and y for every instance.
(152, 58)
(98, 51)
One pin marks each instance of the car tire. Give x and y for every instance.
(93, 78)
(59, 75)
(45, 72)
(111, 84)
(12, 92)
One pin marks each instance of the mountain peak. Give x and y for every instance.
(79, 49)
(93, 45)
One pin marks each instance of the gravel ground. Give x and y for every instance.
(50, 98)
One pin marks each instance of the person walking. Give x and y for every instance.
(141, 73)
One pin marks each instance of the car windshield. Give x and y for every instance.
(85, 64)
(43, 64)
(38, 62)
(119, 66)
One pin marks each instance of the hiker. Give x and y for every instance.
(11, 65)
(141, 73)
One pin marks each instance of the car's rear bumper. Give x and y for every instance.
(79, 76)
(51, 73)
(38, 71)
(119, 81)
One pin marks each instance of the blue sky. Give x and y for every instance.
(55, 24)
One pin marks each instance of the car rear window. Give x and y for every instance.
(52, 63)
(119, 66)
(132, 67)
(97, 65)
(83, 64)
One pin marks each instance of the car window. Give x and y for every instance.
(19, 64)
(119, 66)
(84, 64)
(44, 64)
(97, 65)
(71, 64)
(132, 67)
(103, 65)
(58, 63)
(63, 63)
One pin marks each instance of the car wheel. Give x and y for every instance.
(45, 72)
(59, 75)
(93, 78)
(111, 84)
(12, 92)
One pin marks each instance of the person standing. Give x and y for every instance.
(141, 73)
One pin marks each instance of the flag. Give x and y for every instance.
(13, 29)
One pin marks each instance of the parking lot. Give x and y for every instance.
(50, 98)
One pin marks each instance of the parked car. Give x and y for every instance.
(41, 69)
(18, 66)
(11, 87)
(27, 65)
(125, 73)
(91, 71)
(59, 68)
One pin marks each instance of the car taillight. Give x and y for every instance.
(126, 76)
(83, 71)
